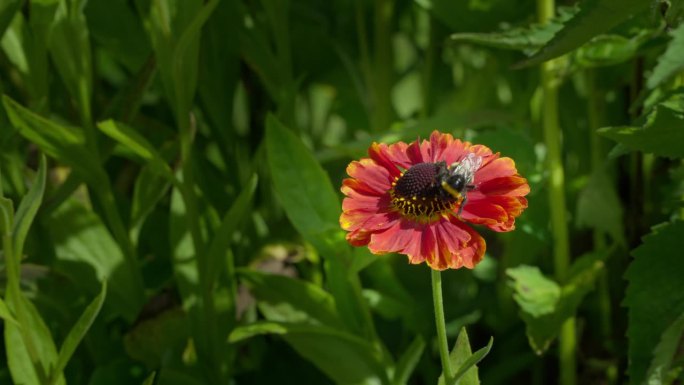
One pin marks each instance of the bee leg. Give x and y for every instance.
(460, 207)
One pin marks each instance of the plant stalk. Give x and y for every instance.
(441, 326)
(557, 204)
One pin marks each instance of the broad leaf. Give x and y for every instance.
(543, 327)
(599, 207)
(606, 50)
(594, 18)
(285, 299)
(528, 39)
(671, 62)
(667, 357)
(87, 253)
(464, 361)
(655, 294)
(310, 202)
(324, 347)
(535, 294)
(662, 135)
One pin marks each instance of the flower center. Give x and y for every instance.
(418, 194)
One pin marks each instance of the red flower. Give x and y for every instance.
(415, 199)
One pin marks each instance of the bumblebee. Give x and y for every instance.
(457, 179)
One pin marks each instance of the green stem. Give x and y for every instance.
(382, 71)
(441, 326)
(556, 188)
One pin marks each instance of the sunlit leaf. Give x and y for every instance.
(606, 50)
(87, 252)
(285, 299)
(655, 294)
(536, 294)
(542, 328)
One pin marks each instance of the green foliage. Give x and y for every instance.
(545, 305)
(465, 360)
(654, 295)
(594, 17)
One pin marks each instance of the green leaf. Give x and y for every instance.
(662, 134)
(594, 18)
(5, 313)
(655, 293)
(535, 294)
(287, 299)
(324, 347)
(116, 28)
(89, 255)
(69, 46)
(7, 10)
(31, 352)
(527, 39)
(303, 187)
(311, 204)
(154, 338)
(150, 187)
(237, 213)
(174, 28)
(667, 356)
(78, 331)
(464, 361)
(599, 207)
(408, 361)
(543, 327)
(150, 379)
(136, 143)
(66, 144)
(28, 208)
(671, 62)
(606, 50)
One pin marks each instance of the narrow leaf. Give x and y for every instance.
(408, 361)
(28, 208)
(5, 313)
(135, 142)
(229, 225)
(79, 330)
(464, 361)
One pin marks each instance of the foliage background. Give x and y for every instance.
(170, 173)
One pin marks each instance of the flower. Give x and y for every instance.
(416, 199)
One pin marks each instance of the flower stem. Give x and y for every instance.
(441, 326)
(556, 189)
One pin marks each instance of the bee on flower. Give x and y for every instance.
(418, 199)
